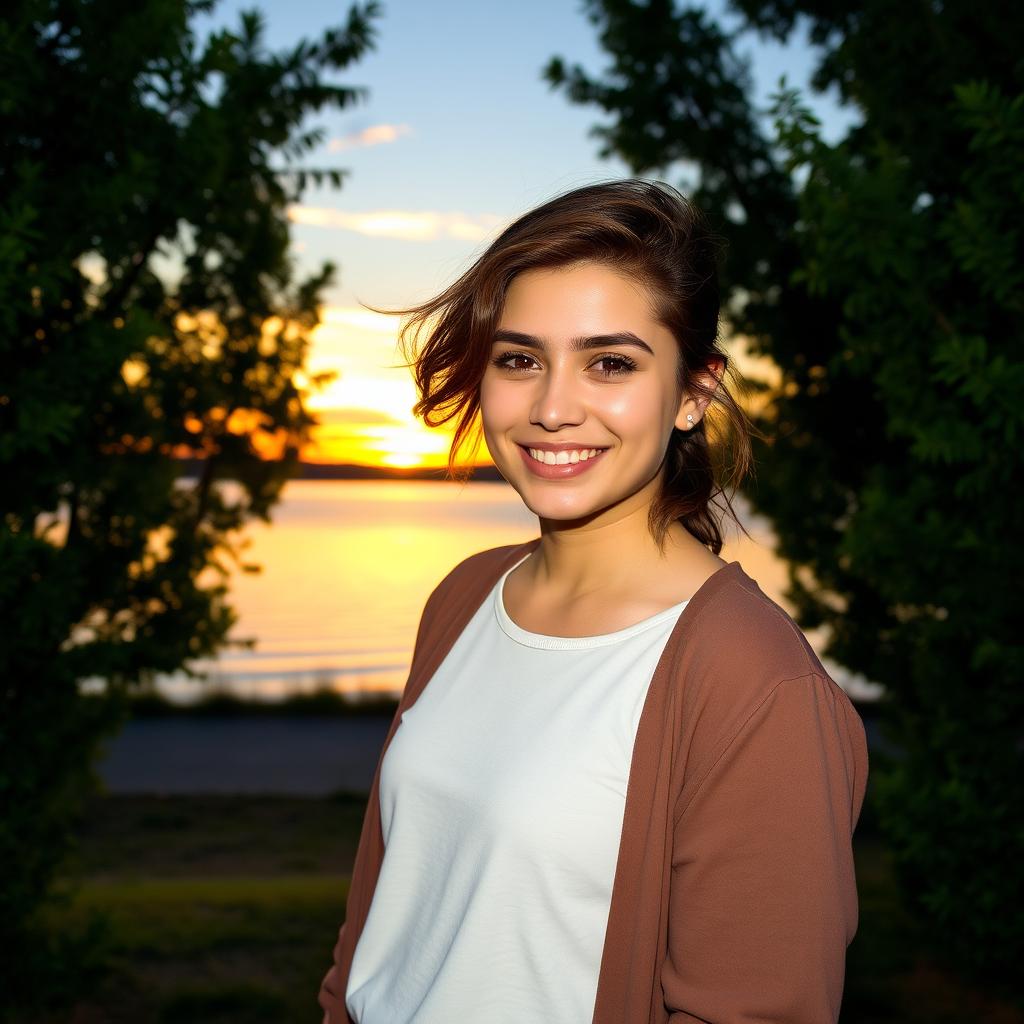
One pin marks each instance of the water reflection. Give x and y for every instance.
(348, 565)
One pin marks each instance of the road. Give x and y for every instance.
(300, 756)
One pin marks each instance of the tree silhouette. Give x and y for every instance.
(883, 274)
(150, 312)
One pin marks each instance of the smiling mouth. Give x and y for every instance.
(564, 457)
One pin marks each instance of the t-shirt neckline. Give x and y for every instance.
(544, 640)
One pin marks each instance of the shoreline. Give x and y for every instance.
(324, 703)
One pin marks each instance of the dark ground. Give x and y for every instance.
(224, 910)
(221, 865)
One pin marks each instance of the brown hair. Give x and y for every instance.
(647, 231)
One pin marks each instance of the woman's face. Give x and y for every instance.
(540, 389)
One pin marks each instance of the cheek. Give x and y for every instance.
(636, 411)
(497, 401)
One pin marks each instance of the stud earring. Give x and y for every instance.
(689, 418)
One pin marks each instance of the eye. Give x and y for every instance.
(502, 361)
(620, 365)
(626, 365)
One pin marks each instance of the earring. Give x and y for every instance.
(689, 418)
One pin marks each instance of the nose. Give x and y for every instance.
(557, 402)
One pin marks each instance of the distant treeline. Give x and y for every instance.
(218, 704)
(193, 468)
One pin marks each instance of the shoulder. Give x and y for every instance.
(741, 655)
(737, 630)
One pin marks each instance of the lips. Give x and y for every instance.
(559, 472)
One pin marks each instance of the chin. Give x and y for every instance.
(567, 512)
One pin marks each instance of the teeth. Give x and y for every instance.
(573, 455)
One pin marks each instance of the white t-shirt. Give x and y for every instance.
(502, 795)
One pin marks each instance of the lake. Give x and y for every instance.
(348, 565)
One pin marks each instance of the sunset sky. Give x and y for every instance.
(458, 136)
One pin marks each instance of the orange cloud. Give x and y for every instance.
(357, 415)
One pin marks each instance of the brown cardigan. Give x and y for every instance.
(734, 896)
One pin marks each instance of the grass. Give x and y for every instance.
(224, 910)
(214, 948)
(218, 909)
(167, 917)
(226, 836)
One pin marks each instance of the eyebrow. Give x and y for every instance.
(578, 344)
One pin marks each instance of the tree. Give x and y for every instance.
(883, 274)
(150, 312)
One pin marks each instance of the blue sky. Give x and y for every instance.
(458, 135)
(476, 130)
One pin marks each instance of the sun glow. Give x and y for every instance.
(365, 412)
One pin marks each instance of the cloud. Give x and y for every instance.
(356, 316)
(375, 135)
(408, 225)
(359, 416)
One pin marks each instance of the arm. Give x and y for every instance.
(763, 896)
(331, 998)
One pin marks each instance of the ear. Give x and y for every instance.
(696, 404)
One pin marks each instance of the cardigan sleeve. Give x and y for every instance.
(331, 995)
(762, 892)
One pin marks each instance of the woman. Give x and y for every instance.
(629, 790)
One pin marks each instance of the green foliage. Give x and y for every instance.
(149, 312)
(884, 274)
